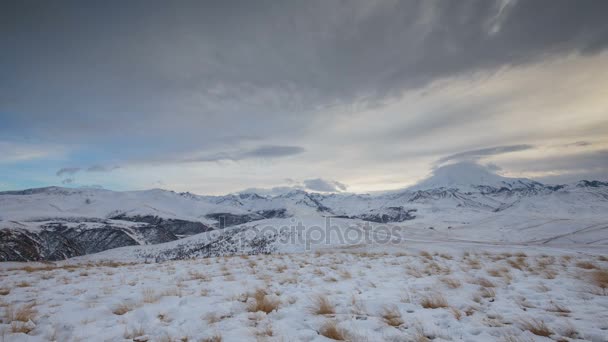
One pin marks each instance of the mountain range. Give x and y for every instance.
(459, 202)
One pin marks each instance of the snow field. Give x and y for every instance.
(462, 295)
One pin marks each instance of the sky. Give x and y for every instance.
(215, 97)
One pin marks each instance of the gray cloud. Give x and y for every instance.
(101, 168)
(579, 144)
(67, 171)
(484, 152)
(264, 152)
(69, 180)
(240, 66)
(319, 184)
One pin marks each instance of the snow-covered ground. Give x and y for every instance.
(414, 291)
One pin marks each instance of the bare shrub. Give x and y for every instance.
(391, 316)
(331, 330)
(322, 306)
(4, 291)
(434, 301)
(262, 302)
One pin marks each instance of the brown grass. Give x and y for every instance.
(426, 255)
(149, 296)
(331, 330)
(486, 292)
(586, 265)
(322, 306)
(214, 338)
(451, 282)
(122, 309)
(536, 327)
(194, 275)
(600, 279)
(519, 263)
(131, 334)
(262, 302)
(391, 316)
(4, 291)
(23, 313)
(457, 313)
(23, 284)
(434, 301)
(483, 282)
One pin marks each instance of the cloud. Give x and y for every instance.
(68, 180)
(484, 152)
(67, 171)
(263, 152)
(13, 151)
(101, 168)
(579, 144)
(319, 184)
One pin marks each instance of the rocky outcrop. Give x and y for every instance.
(227, 219)
(387, 215)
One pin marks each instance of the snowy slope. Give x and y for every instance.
(460, 202)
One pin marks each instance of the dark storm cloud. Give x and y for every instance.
(319, 184)
(67, 171)
(192, 70)
(484, 152)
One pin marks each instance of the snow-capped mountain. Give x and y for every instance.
(465, 199)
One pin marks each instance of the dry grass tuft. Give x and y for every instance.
(23, 313)
(519, 263)
(434, 301)
(600, 279)
(150, 296)
(194, 275)
(536, 327)
(483, 282)
(23, 284)
(262, 302)
(426, 255)
(4, 291)
(586, 265)
(132, 334)
(123, 308)
(457, 313)
(322, 306)
(214, 338)
(331, 330)
(451, 282)
(392, 316)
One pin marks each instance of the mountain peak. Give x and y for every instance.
(463, 174)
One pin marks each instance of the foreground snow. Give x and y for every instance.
(450, 293)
